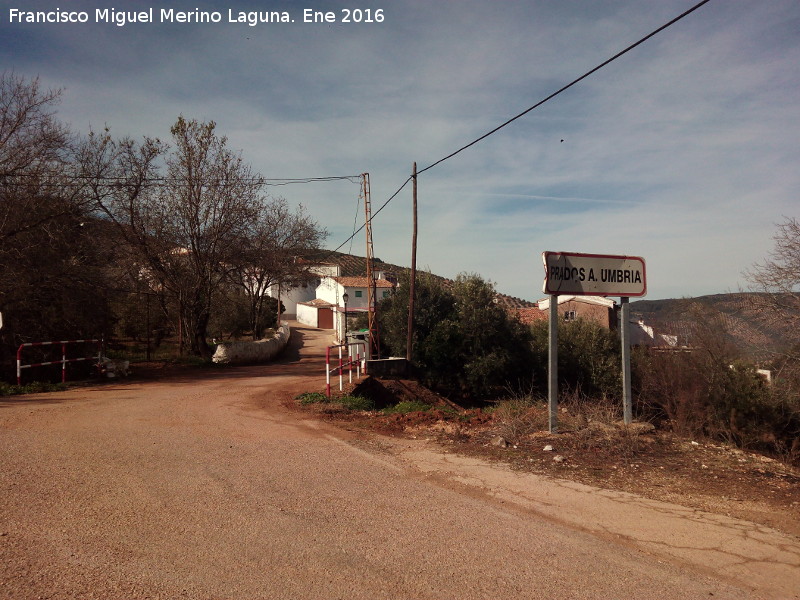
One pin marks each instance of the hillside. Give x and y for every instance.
(356, 266)
(749, 325)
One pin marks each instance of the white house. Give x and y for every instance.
(644, 335)
(291, 296)
(330, 293)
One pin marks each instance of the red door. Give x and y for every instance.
(325, 318)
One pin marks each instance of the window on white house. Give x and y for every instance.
(385, 294)
(358, 293)
(570, 315)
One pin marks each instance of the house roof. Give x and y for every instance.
(362, 282)
(318, 303)
(529, 314)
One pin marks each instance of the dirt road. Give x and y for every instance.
(212, 488)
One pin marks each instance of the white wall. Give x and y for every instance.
(330, 291)
(290, 297)
(253, 352)
(307, 315)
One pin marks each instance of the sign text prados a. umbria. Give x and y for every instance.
(594, 274)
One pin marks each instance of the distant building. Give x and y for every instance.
(646, 335)
(328, 311)
(292, 294)
(591, 308)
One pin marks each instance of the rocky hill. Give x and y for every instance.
(747, 321)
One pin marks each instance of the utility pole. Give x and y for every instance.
(413, 279)
(372, 304)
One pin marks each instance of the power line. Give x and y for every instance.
(73, 180)
(355, 220)
(569, 85)
(538, 104)
(375, 214)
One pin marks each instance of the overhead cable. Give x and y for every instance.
(569, 85)
(538, 104)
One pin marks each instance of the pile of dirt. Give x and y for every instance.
(390, 392)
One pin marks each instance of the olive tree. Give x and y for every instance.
(464, 343)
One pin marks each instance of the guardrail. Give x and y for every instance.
(64, 360)
(344, 364)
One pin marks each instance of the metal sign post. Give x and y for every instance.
(580, 274)
(552, 367)
(625, 337)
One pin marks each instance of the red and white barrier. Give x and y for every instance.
(351, 360)
(64, 360)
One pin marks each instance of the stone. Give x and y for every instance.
(548, 448)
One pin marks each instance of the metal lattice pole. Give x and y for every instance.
(372, 305)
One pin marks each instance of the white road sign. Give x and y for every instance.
(571, 273)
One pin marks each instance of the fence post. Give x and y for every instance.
(341, 387)
(328, 371)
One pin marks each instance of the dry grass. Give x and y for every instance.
(591, 424)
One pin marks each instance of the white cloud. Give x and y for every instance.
(684, 148)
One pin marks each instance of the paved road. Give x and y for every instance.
(212, 488)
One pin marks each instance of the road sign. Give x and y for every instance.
(593, 274)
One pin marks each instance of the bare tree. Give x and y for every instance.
(51, 275)
(186, 226)
(777, 280)
(279, 236)
(37, 181)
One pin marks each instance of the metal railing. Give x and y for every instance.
(347, 363)
(64, 360)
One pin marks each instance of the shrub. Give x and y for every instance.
(519, 416)
(407, 406)
(464, 343)
(589, 358)
(699, 395)
(356, 402)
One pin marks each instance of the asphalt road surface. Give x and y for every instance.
(211, 487)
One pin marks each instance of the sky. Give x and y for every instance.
(684, 151)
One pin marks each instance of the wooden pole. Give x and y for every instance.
(413, 278)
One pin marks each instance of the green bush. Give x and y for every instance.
(407, 406)
(589, 358)
(707, 393)
(463, 343)
(356, 402)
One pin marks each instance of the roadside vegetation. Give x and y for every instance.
(154, 247)
(471, 351)
(160, 248)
